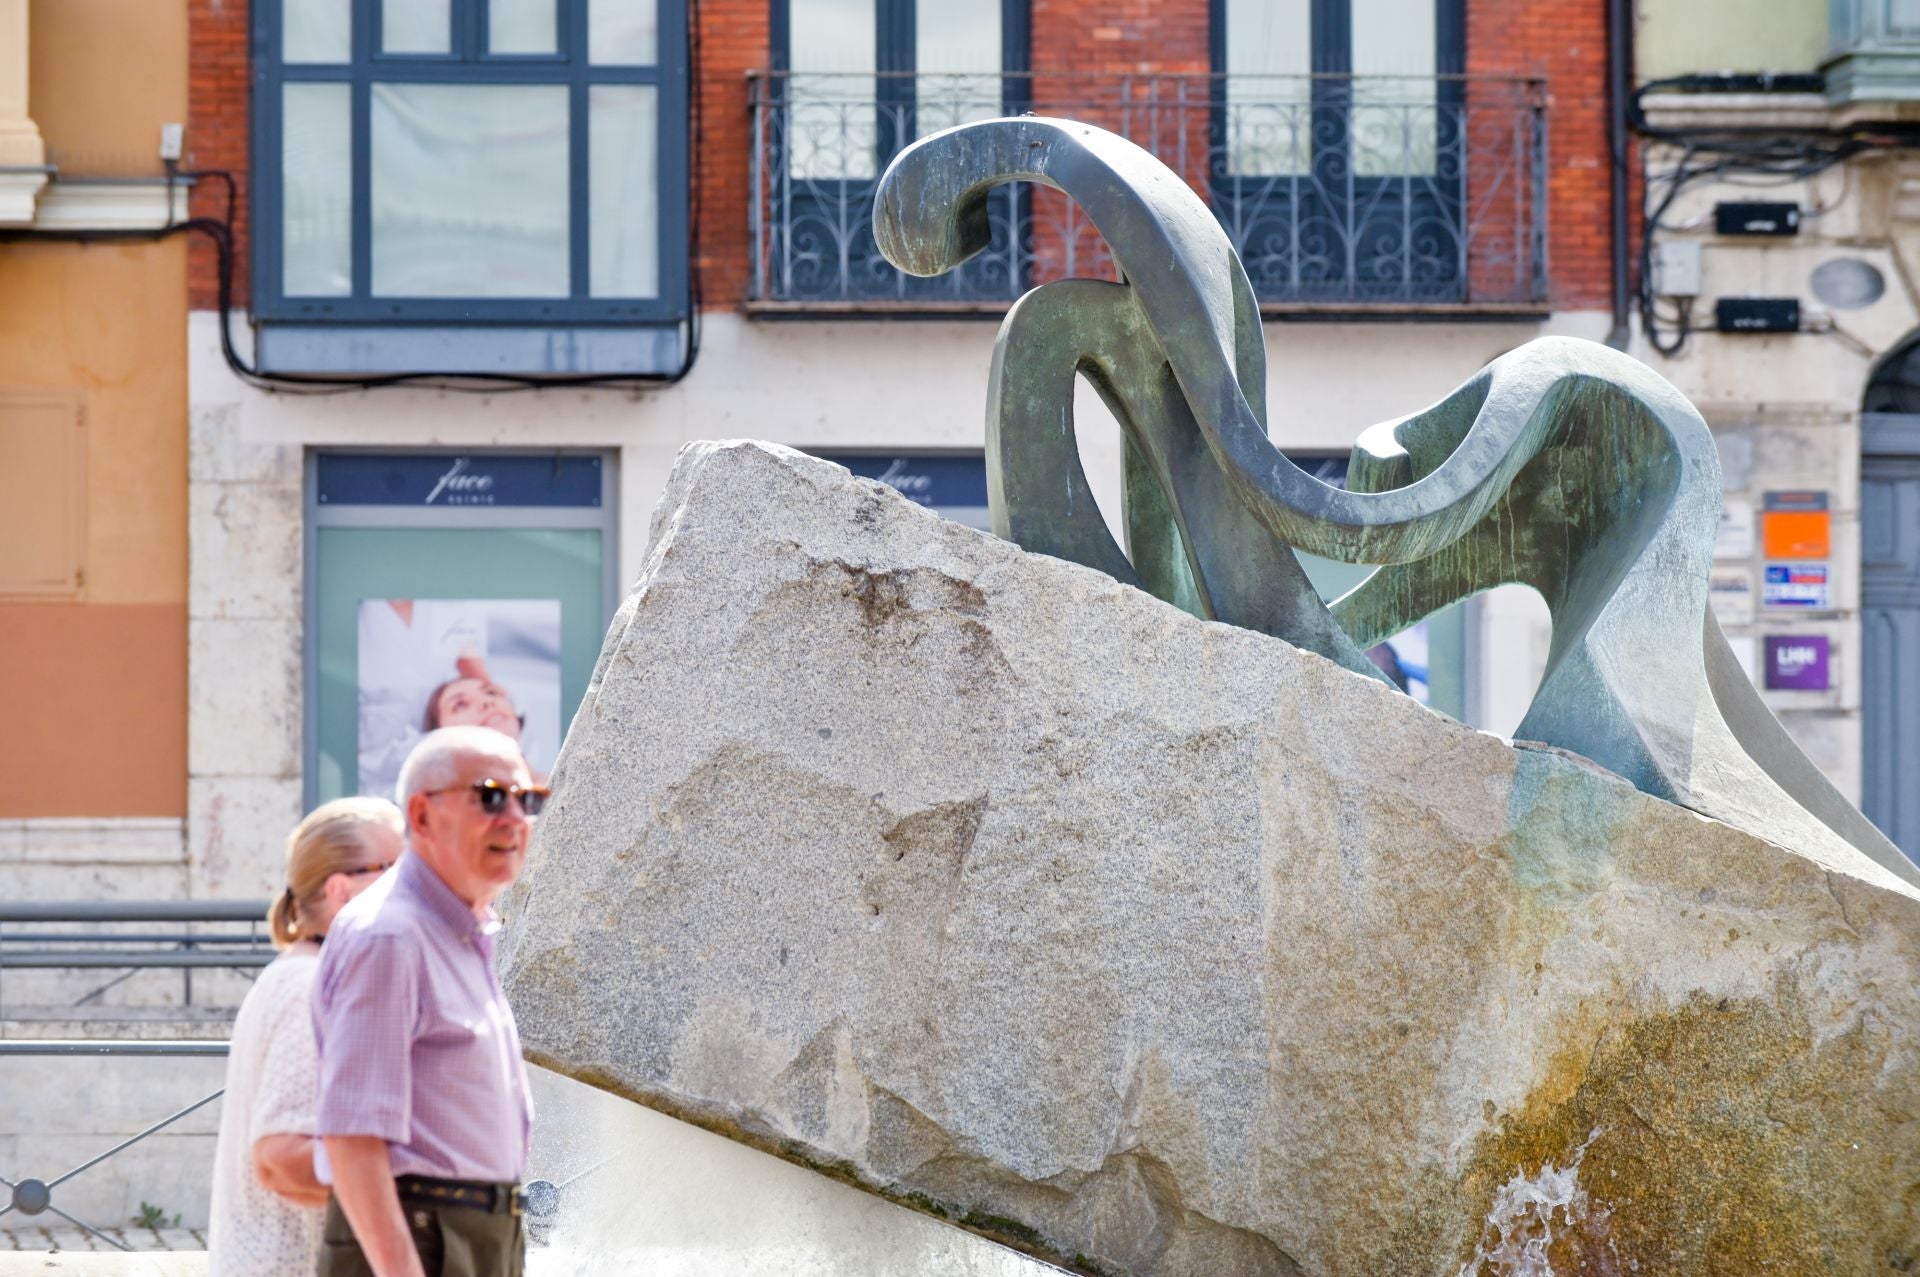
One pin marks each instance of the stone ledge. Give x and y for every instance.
(84, 841)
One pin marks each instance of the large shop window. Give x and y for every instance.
(448, 588)
(470, 185)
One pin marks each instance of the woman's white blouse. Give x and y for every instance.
(273, 1078)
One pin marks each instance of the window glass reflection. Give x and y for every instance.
(315, 31)
(415, 26)
(316, 214)
(1394, 44)
(624, 195)
(469, 190)
(1267, 126)
(522, 26)
(623, 32)
(833, 127)
(957, 60)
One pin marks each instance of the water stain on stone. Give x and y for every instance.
(883, 596)
(1730, 1143)
(946, 830)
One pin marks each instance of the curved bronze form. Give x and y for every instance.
(1564, 465)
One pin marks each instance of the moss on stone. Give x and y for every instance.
(1002, 1226)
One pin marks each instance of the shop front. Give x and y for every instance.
(446, 588)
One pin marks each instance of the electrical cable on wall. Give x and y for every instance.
(220, 231)
(1741, 156)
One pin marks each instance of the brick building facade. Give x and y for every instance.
(1564, 46)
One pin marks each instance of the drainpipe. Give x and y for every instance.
(1619, 93)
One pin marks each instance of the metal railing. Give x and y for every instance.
(1338, 192)
(85, 935)
(33, 1195)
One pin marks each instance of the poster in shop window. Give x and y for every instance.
(427, 663)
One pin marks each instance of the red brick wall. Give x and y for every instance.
(733, 40)
(217, 68)
(1116, 37)
(1563, 41)
(1082, 54)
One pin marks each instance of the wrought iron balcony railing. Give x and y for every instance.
(1340, 193)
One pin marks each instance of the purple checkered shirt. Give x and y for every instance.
(417, 1042)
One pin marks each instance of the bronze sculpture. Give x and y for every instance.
(1563, 465)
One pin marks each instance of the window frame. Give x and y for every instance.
(602, 517)
(894, 29)
(465, 64)
(896, 83)
(1330, 42)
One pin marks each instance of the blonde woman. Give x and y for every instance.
(267, 1205)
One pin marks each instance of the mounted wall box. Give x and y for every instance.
(1739, 217)
(1757, 314)
(1676, 268)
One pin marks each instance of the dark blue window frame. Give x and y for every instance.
(468, 64)
(1374, 208)
(896, 101)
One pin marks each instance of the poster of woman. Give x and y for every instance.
(428, 663)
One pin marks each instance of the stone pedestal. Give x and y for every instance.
(1159, 946)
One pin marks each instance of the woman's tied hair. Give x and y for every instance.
(334, 838)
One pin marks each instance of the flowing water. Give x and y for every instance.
(1517, 1239)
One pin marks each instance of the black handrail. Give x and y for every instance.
(87, 940)
(69, 960)
(133, 911)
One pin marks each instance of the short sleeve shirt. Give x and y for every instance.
(272, 1076)
(417, 1043)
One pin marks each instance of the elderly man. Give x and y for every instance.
(424, 1112)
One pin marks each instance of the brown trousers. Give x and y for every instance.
(453, 1241)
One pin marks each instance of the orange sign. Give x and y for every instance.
(1796, 525)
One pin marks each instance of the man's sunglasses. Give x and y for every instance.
(494, 796)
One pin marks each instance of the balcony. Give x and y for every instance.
(1343, 195)
(1874, 53)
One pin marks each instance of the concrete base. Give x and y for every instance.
(639, 1192)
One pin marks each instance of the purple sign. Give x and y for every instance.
(1797, 663)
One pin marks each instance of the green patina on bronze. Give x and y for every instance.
(1563, 465)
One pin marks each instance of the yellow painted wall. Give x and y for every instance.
(95, 687)
(1676, 37)
(94, 684)
(103, 76)
(111, 321)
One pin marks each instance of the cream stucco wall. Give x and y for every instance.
(1676, 37)
(1786, 408)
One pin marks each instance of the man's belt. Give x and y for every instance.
(495, 1199)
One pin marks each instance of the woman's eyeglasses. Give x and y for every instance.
(368, 869)
(494, 796)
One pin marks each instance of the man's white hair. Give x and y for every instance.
(434, 763)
